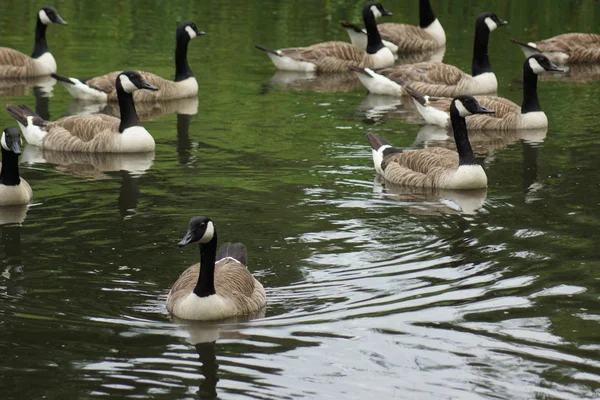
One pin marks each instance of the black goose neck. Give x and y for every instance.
(459, 126)
(481, 59)
(374, 43)
(9, 175)
(531, 102)
(129, 115)
(206, 279)
(41, 46)
(182, 68)
(426, 15)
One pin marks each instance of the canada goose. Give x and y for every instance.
(403, 38)
(568, 48)
(13, 189)
(92, 133)
(337, 56)
(220, 286)
(103, 88)
(508, 115)
(434, 166)
(438, 79)
(14, 64)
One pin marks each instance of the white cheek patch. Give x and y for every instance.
(376, 12)
(490, 24)
(44, 17)
(535, 66)
(208, 234)
(462, 111)
(190, 32)
(3, 141)
(128, 86)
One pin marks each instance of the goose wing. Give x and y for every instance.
(330, 56)
(232, 279)
(84, 133)
(505, 117)
(567, 41)
(408, 38)
(13, 63)
(183, 286)
(426, 72)
(419, 167)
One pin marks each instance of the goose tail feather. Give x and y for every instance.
(267, 50)
(62, 79)
(21, 112)
(350, 25)
(525, 46)
(376, 141)
(237, 251)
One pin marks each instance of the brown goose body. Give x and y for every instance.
(409, 38)
(568, 48)
(14, 64)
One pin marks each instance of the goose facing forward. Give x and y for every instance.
(508, 115)
(434, 166)
(92, 133)
(568, 48)
(220, 286)
(103, 88)
(337, 56)
(438, 79)
(14, 64)
(403, 38)
(13, 189)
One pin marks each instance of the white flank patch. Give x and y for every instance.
(491, 24)
(187, 87)
(44, 17)
(383, 58)
(467, 177)
(190, 32)
(535, 66)
(485, 83)
(128, 86)
(533, 120)
(436, 31)
(393, 48)
(378, 158)
(208, 233)
(81, 91)
(45, 64)
(33, 134)
(286, 63)
(376, 12)
(358, 39)
(135, 139)
(462, 111)
(204, 308)
(432, 115)
(379, 84)
(3, 141)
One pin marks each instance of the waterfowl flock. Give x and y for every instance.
(221, 285)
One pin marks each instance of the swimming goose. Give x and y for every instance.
(438, 79)
(508, 115)
(103, 88)
(13, 189)
(568, 48)
(92, 133)
(220, 286)
(14, 64)
(337, 56)
(403, 38)
(434, 166)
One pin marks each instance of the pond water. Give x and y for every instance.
(373, 292)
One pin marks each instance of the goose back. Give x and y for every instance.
(408, 38)
(14, 64)
(576, 47)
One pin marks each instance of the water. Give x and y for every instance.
(373, 292)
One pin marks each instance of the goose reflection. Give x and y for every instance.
(19, 87)
(311, 82)
(146, 111)
(432, 201)
(12, 257)
(578, 73)
(203, 335)
(374, 108)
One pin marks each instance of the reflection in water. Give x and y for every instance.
(18, 87)
(412, 58)
(375, 107)
(580, 73)
(184, 144)
(13, 215)
(12, 261)
(431, 201)
(146, 111)
(128, 195)
(311, 82)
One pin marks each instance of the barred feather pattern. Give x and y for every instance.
(331, 56)
(408, 38)
(233, 282)
(421, 168)
(14, 64)
(167, 90)
(83, 133)
(581, 47)
(506, 116)
(432, 78)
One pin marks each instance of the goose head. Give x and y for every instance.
(49, 15)
(11, 140)
(376, 9)
(468, 105)
(130, 81)
(539, 63)
(188, 29)
(200, 230)
(490, 20)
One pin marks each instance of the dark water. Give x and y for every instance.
(373, 292)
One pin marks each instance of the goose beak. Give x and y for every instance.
(387, 13)
(200, 33)
(483, 110)
(501, 22)
(554, 68)
(148, 85)
(187, 239)
(15, 147)
(60, 21)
